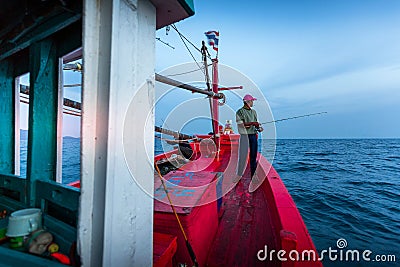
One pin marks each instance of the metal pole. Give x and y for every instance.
(166, 80)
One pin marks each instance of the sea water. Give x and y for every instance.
(344, 189)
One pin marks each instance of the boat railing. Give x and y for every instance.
(12, 189)
(291, 231)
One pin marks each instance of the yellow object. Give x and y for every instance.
(53, 248)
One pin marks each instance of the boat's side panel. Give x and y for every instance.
(199, 221)
(291, 229)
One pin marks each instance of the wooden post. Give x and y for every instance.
(43, 103)
(116, 215)
(7, 117)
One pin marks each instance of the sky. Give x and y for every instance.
(71, 124)
(336, 56)
(341, 57)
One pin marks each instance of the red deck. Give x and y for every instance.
(247, 222)
(164, 249)
(245, 227)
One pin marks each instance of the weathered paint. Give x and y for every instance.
(7, 117)
(94, 129)
(116, 216)
(43, 98)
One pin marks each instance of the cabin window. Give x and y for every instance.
(21, 124)
(71, 121)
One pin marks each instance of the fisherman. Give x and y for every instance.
(248, 126)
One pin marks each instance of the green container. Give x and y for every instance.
(3, 228)
(17, 242)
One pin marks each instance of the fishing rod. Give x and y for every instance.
(188, 246)
(296, 117)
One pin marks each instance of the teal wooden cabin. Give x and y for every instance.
(34, 37)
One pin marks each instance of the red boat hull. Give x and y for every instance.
(247, 224)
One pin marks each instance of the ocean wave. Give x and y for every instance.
(392, 157)
(321, 153)
(371, 183)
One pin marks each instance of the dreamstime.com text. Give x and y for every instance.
(331, 254)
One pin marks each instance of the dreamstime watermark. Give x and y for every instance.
(331, 254)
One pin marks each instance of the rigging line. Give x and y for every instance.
(190, 52)
(176, 74)
(167, 44)
(183, 36)
(182, 73)
(295, 117)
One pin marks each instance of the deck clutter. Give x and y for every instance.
(24, 232)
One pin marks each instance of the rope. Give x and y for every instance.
(182, 36)
(190, 52)
(189, 247)
(170, 202)
(176, 74)
(167, 44)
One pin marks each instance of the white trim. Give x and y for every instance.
(17, 126)
(60, 96)
(94, 128)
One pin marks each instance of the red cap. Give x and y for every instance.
(249, 98)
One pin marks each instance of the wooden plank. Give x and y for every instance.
(13, 182)
(43, 97)
(10, 257)
(46, 29)
(7, 117)
(61, 195)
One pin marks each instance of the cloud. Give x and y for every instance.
(380, 79)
